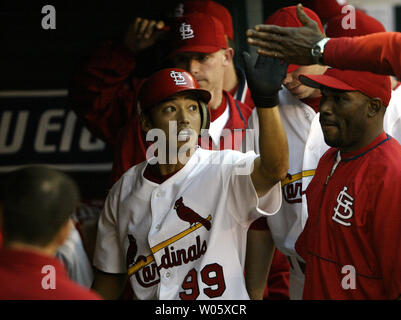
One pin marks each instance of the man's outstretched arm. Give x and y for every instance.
(379, 52)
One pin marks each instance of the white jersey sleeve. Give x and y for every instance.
(74, 258)
(251, 139)
(392, 117)
(108, 256)
(243, 199)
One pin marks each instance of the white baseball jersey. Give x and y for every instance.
(184, 238)
(392, 117)
(76, 261)
(306, 146)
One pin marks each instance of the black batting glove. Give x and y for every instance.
(264, 79)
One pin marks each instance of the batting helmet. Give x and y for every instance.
(168, 82)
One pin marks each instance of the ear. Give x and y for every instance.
(375, 106)
(228, 55)
(146, 124)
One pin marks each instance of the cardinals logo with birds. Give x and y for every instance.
(187, 214)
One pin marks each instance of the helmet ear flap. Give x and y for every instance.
(205, 117)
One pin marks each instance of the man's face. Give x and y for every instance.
(207, 68)
(343, 117)
(300, 91)
(182, 110)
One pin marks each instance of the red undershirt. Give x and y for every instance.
(215, 113)
(233, 91)
(313, 103)
(152, 173)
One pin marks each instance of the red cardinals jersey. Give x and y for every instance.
(351, 241)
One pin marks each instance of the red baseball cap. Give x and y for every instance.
(326, 9)
(214, 9)
(371, 84)
(364, 24)
(287, 17)
(166, 83)
(198, 32)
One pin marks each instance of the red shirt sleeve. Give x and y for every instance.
(377, 52)
(102, 94)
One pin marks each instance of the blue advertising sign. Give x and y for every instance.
(38, 127)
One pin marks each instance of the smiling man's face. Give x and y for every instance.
(183, 110)
(343, 117)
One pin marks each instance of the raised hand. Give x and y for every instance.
(291, 44)
(264, 79)
(143, 33)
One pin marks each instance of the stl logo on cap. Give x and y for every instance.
(178, 78)
(186, 31)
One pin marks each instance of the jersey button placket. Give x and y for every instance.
(158, 195)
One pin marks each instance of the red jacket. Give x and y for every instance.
(103, 93)
(351, 240)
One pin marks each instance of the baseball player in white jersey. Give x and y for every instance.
(306, 146)
(178, 230)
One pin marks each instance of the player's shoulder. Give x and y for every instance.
(389, 153)
(384, 161)
(212, 155)
(225, 160)
(326, 160)
(129, 178)
(244, 108)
